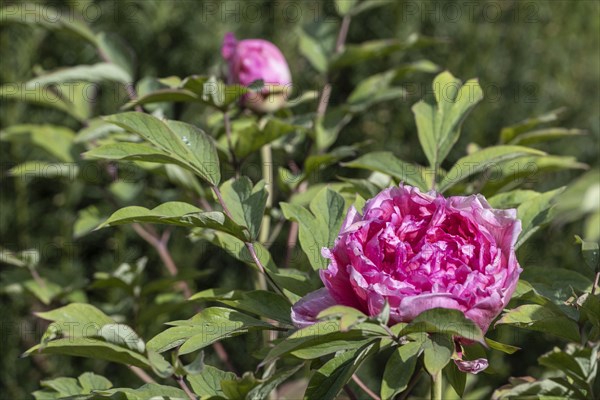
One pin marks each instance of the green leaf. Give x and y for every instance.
(56, 140)
(524, 170)
(544, 135)
(261, 302)
(42, 169)
(162, 96)
(122, 335)
(505, 348)
(373, 49)
(324, 338)
(77, 319)
(47, 17)
(509, 133)
(209, 326)
(385, 162)
(511, 199)
(148, 391)
(439, 124)
(399, 369)
(294, 283)
(348, 316)
(591, 253)
(43, 290)
(95, 129)
(367, 5)
(527, 387)
(263, 390)
(320, 228)
(63, 386)
(542, 319)
(437, 351)
(185, 179)
(312, 50)
(344, 7)
(444, 321)
(328, 381)
(87, 220)
(456, 378)
(240, 387)
(182, 141)
(90, 381)
(534, 214)
(314, 163)
(160, 366)
(133, 152)
(245, 202)
(214, 92)
(481, 160)
(91, 348)
(327, 129)
(570, 364)
(15, 259)
(375, 89)
(114, 49)
(207, 383)
(253, 137)
(87, 73)
(591, 309)
(176, 213)
(67, 98)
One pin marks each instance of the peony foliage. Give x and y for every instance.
(411, 265)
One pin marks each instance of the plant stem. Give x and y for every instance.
(437, 386)
(365, 388)
(350, 393)
(141, 374)
(265, 227)
(249, 245)
(411, 384)
(160, 245)
(595, 283)
(267, 172)
(163, 251)
(339, 46)
(185, 388)
(227, 126)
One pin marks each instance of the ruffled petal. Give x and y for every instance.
(305, 311)
(472, 367)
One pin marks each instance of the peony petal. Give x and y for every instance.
(229, 45)
(472, 367)
(411, 306)
(305, 311)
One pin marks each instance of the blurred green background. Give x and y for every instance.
(530, 57)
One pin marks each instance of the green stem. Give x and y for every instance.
(437, 386)
(234, 160)
(267, 173)
(265, 227)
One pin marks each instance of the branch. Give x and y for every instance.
(185, 388)
(339, 46)
(141, 374)
(249, 245)
(163, 251)
(365, 388)
(234, 160)
(160, 245)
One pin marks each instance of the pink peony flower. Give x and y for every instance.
(254, 59)
(420, 251)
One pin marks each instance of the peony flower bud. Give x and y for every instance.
(420, 251)
(256, 59)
